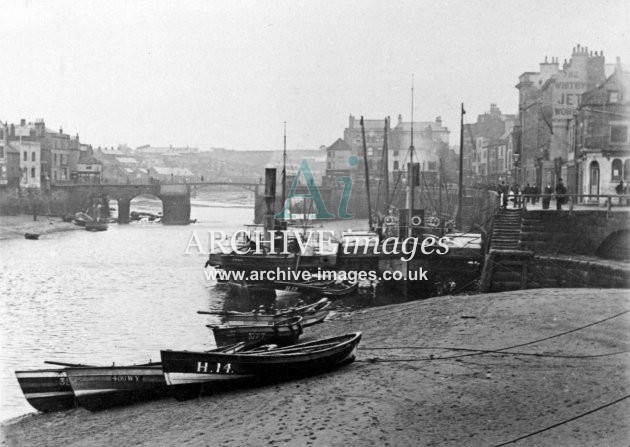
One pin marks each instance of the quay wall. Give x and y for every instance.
(592, 233)
(506, 270)
(561, 271)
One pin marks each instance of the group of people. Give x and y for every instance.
(532, 194)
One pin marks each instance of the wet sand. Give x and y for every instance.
(409, 395)
(16, 226)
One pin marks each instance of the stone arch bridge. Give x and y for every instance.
(175, 197)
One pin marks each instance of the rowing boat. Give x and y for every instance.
(47, 389)
(283, 332)
(311, 314)
(190, 374)
(100, 387)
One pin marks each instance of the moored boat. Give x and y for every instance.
(96, 225)
(283, 332)
(47, 389)
(190, 374)
(100, 387)
(311, 314)
(326, 288)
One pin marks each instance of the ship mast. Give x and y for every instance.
(284, 167)
(411, 169)
(367, 176)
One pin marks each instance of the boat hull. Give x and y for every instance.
(47, 389)
(98, 388)
(194, 373)
(270, 320)
(96, 226)
(280, 334)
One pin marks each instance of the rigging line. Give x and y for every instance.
(601, 407)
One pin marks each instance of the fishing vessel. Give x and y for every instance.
(47, 390)
(311, 314)
(283, 332)
(100, 387)
(190, 374)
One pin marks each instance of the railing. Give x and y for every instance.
(610, 200)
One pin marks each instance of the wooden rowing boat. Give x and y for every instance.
(191, 374)
(325, 288)
(311, 314)
(283, 332)
(48, 389)
(100, 387)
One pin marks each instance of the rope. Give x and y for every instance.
(481, 352)
(564, 422)
(484, 351)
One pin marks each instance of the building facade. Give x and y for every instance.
(548, 102)
(601, 140)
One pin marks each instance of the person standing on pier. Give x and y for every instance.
(620, 189)
(547, 197)
(503, 191)
(536, 192)
(527, 191)
(515, 191)
(561, 190)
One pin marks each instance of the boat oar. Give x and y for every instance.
(76, 365)
(205, 312)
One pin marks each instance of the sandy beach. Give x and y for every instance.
(15, 226)
(405, 388)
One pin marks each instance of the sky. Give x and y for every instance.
(229, 73)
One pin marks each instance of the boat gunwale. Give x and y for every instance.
(354, 337)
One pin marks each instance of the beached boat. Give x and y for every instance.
(47, 389)
(31, 236)
(100, 387)
(80, 219)
(190, 374)
(321, 287)
(96, 225)
(283, 332)
(311, 314)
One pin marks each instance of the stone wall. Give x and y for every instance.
(580, 232)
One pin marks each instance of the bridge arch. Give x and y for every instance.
(616, 246)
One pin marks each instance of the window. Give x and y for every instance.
(33, 156)
(25, 156)
(616, 170)
(613, 97)
(618, 133)
(396, 165)
(1, 151)
(32, 172)
(396, 153)
(626, 170)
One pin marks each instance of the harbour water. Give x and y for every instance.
(115, 296)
